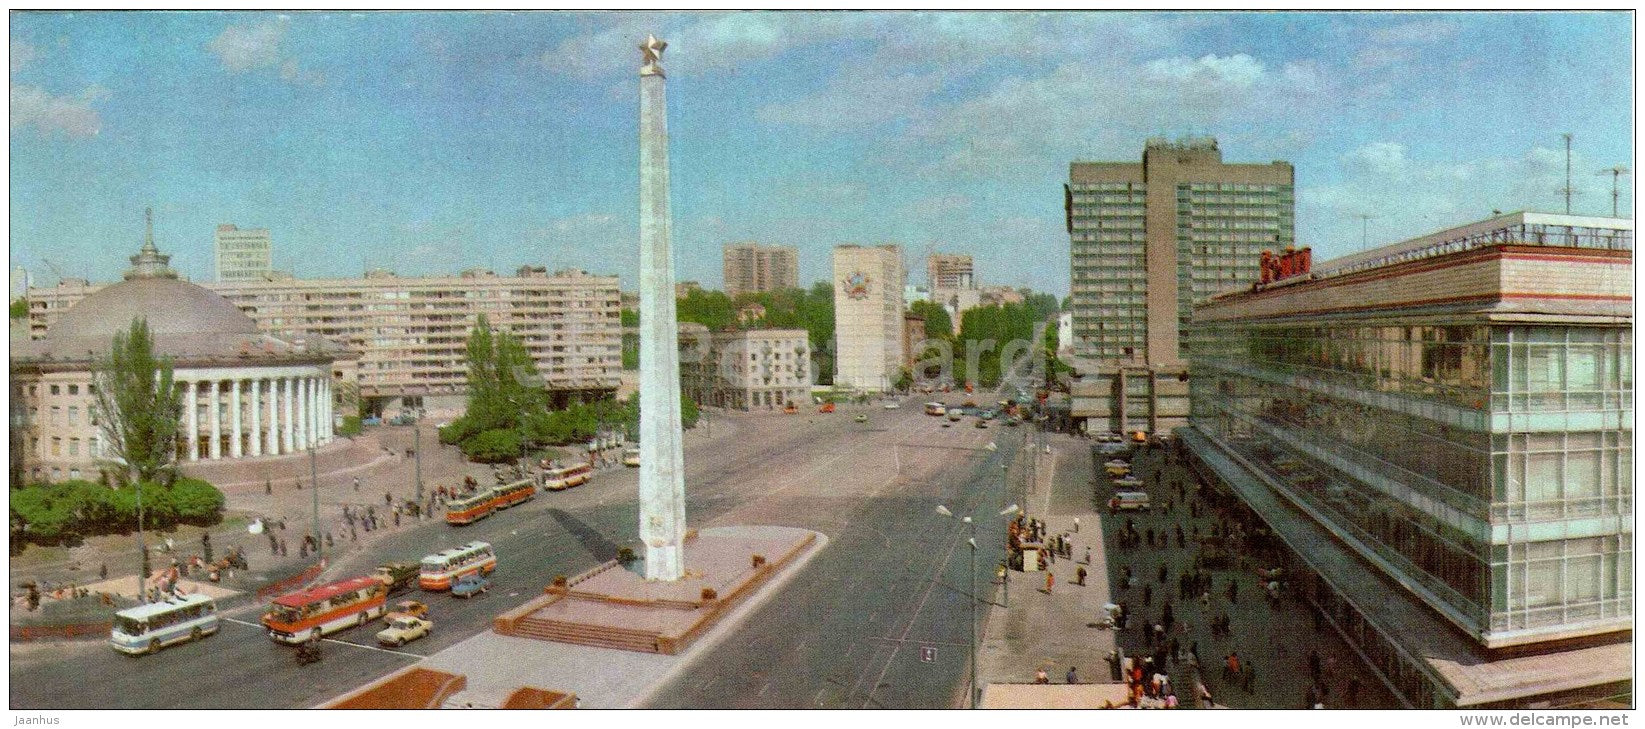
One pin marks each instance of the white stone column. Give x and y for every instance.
(234, 418)
(662, 473)
(193, 433)
(327, 428)
(272, 386)
(286, 391)
(256, 418)
(305, 414)
(214, 420)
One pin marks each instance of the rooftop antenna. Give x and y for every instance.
(1567, 189)
(1364, 230)
(1616, 173)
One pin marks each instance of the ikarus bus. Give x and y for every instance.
(148, 628)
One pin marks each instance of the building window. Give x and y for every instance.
(56, 446)
(74, 415)
(54, 390)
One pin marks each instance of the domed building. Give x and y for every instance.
(244, 394)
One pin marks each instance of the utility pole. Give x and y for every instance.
(1616, 173)
(1567, 189)
(314, 495)
(417, 453)
(142, 550)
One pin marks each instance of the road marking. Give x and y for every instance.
(333, 640)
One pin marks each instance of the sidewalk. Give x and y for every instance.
(1052, 630)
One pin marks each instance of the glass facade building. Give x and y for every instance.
(1475, 447)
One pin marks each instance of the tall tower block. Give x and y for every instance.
(662, 463)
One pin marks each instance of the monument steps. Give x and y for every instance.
(589, 635)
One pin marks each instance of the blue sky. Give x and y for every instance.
(432, 142)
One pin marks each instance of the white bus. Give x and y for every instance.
(148, 628)
(440, 571)
(560, 479)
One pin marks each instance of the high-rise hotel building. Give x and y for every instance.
(1440, 433)
(1148, 240)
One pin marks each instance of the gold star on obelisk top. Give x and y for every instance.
(651, 55)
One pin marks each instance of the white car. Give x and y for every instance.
(404, 629)
(893, 405)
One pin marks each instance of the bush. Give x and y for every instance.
(65, 513)
(458, 431)
(493, 446)
(351, 426)
(625, 555)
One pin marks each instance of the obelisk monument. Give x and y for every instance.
(662, 463)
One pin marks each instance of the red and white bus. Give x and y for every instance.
(301, 615)
(560, 479)
(469, 508)
(509, 494)
(441, 571)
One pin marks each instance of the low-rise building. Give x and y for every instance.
(747, 369)
(1440, 433)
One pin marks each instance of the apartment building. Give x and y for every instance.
(868, 316)
(748, 369)
(412, 331)
(242, 254)
(753, 268)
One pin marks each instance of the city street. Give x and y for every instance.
(894, 572)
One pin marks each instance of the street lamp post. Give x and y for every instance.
(1007, 511)
(142, 549)
(973, 542)
(314, 495)
(417, 452)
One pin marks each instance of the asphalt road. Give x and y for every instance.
(892, 558)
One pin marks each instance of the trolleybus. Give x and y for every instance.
(560, 479)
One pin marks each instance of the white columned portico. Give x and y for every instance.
(328, 426)
(234, 418)
(273, 386)
(286, 388)
(214, 421)
(190, 388)
(256, 418)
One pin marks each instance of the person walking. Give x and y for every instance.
(1040, 677)
(1073, 676)
(356, 484)
(268, 487)
(1076, 525)
(1050, 579)
(1088, 555)
(1114, 666)
(1079, 574)
(388, 499)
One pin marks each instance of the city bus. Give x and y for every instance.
(509, 494)
(440, 571)
(560, 479)
(148, 628)
(469, 508)
(935, 408)
(306, 614)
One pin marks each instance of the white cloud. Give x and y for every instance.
(856, 98)
(21, 54)
(49, 114)
(697, 42)
(249, 47)
(244, 48)
(1238, 71)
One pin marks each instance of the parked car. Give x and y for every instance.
(1128, 501)
(470, 585)
(827, 407)
(631, 457)
(955, 414)
(409, 609)
(403, 629)
(981, 423)
(892, 405)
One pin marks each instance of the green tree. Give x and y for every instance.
(19, 309)
(493, 446)
(139, 405)
(938, 325)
